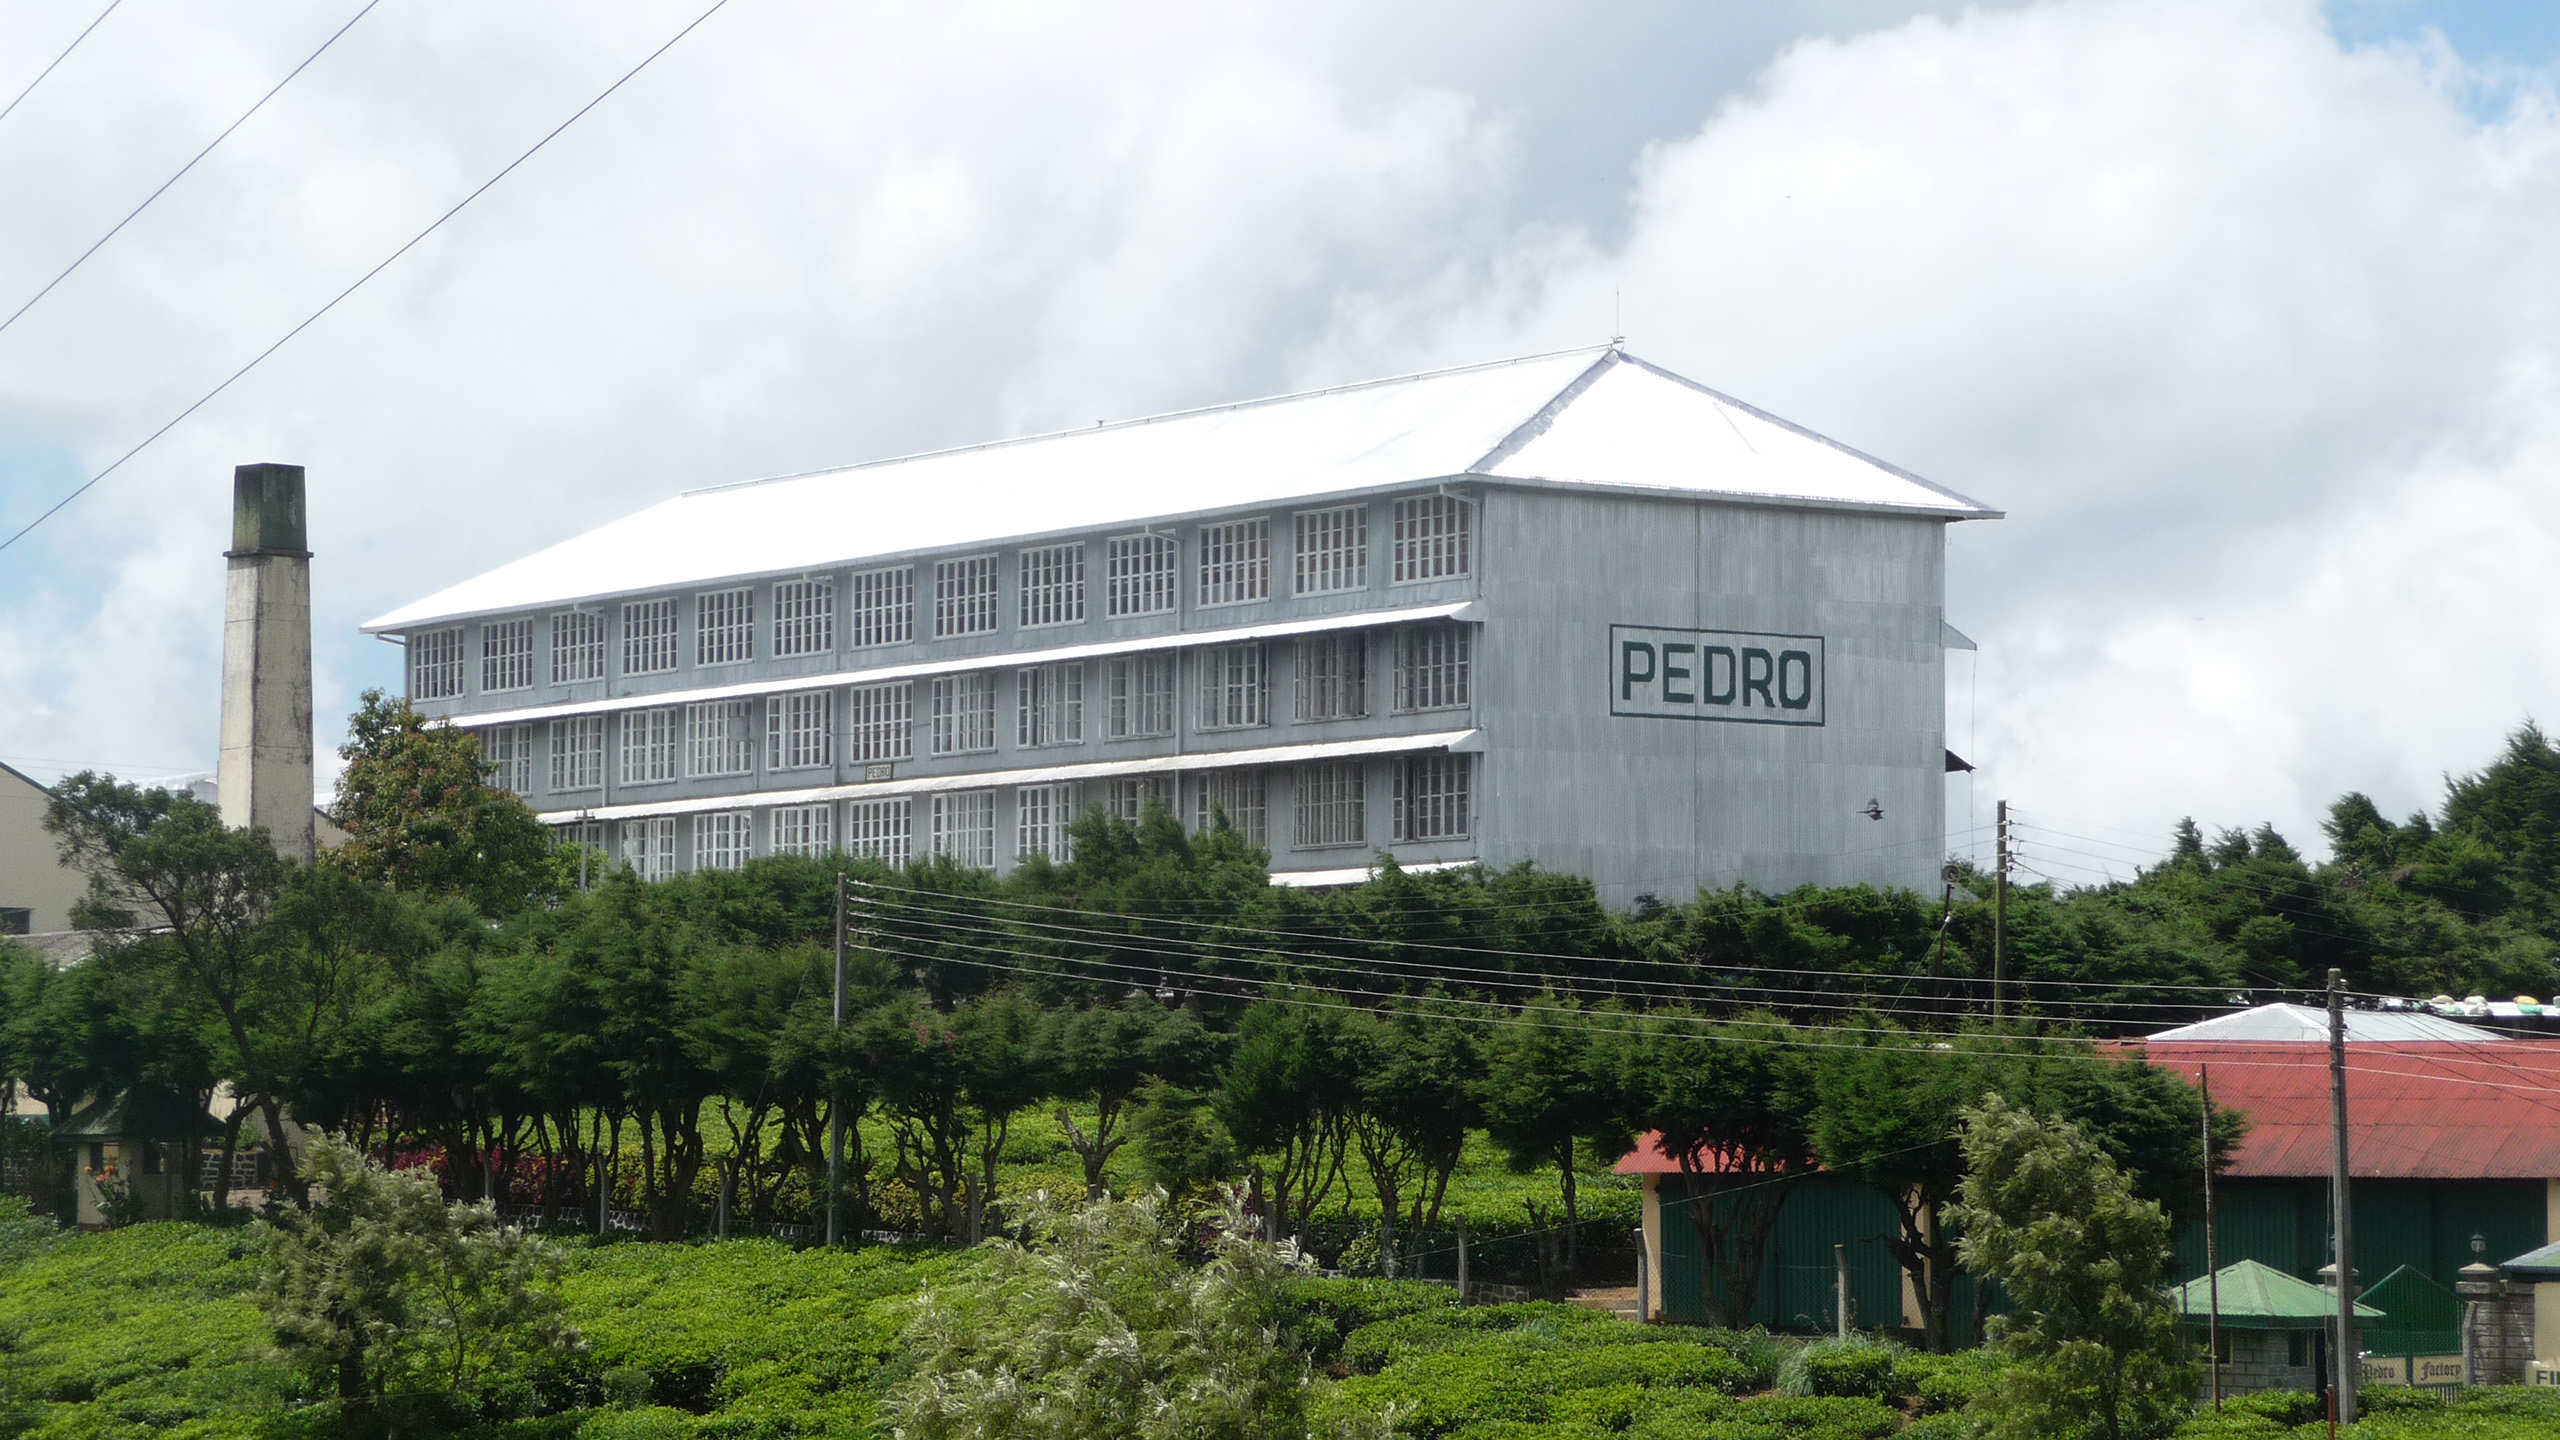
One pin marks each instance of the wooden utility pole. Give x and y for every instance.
(835, 1100)
(2000, 917)
(2343, 1355)
(2212, 1276)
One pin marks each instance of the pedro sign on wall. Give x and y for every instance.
(1732, 675)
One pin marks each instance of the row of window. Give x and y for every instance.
(1432, 801)
(1433, 540)
(1137, 701)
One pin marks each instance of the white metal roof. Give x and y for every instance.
(1596, 418)
(2304, 1023)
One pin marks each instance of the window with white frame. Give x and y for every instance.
(435, 664)
(1049, 705)
(1053, 585)
(577, 647)
(1333, 676)
(1142, 571)
(880, 608)
(649, 847)
(964, 713)
(964, 827)
(722, 839)
(804, 617)
(577, 753)
(724, 626)
(1235, 562)
(720, 737)
(880, 721)
(1333, 550)
(1333, 805)
(1041, 815)
(590, 833)
(648, 637)
(649, 746)
(1243, 797)
(1432, 538)
(800, 730)
(1234, 687)
(1432, 797)
(1431, 666)
(1141, 695)
(1126, 798)
(879, 829)
(506, 655)
(509, 751)
(804, 830)
(964, 596)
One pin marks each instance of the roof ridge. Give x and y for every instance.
(1136, 421)
(1540, 423)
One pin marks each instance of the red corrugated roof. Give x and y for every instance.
(1649, 1158)
(2415, 1110)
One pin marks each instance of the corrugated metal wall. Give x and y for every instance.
(2424, 1224)
(1796, 1274)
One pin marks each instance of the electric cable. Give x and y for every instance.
(58, 59)
(314, 316)
(183, 169)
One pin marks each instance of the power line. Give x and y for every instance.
(58, 59)
(432, 227)
(1754, 970)
(1726, 991)
(183, 169)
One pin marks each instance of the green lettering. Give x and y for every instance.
(1628, 679)
(1719, 694)
(1759, 667)
(1671, 672)
(1799, 664)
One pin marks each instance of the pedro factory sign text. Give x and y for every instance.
(1715, 675)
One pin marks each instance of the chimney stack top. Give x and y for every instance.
(266, 511)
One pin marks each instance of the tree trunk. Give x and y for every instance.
(230, 1151)
(280, 1150)
(1572, 1208)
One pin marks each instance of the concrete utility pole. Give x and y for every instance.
(2000, 916)
(1840, 1287)
(2344, 1355)
(835, 1101)
(264, 772)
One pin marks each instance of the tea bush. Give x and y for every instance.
(1854, 1366)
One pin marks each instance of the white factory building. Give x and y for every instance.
(1571, 609)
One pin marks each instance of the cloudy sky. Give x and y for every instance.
(2243, 311)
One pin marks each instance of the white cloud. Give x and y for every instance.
(2250, 334)
(2247, 330)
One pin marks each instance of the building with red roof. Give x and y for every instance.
(2453, 1150)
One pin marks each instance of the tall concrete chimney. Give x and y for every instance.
(265, 770)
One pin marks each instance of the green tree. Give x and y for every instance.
(420, 814)
(1103, 1054)
(1288, 1096)
(1547, 1091)
(1418, 1080)
(399, 1298)
(1097, 1327)
(166, 862)
(1181, 1148)
(1888, 1119)
(2096, 1339)
(1734, 1103)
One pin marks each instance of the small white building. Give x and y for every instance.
(1571, 609)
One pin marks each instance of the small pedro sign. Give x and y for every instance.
(1732, 675)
